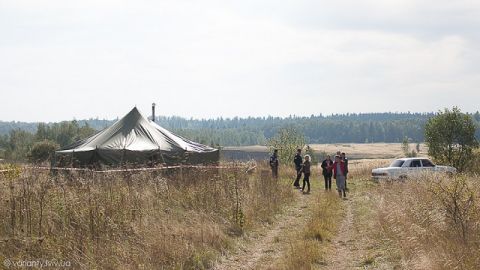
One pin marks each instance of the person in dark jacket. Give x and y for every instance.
(306, 174)
(327, 166)
(345, 160)
(298, 160)
(274, 163)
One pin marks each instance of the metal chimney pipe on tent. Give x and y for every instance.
(153, 112)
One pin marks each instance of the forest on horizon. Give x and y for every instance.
(337, 128)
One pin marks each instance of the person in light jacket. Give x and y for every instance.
(339, 175)
(306, 174)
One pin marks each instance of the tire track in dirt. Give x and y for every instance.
(351, 248)
(343, 252)
(354, 246)
(263, 247)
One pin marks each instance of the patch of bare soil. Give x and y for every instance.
(356, 245)
(262, 247)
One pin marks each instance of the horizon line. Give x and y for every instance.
(191, 118)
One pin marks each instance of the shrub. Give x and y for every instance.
(432, 221)
(287, 141)
(450, 137)
(42, 151)
(457, 199)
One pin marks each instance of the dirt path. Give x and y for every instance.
(345, 249)
(265, 246)
(354, 247)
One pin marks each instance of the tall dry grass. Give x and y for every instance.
(474, 166)
(307, 248)
(433, 221)
(428, 222)
(362, 169)
(181, 219)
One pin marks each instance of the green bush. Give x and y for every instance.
(43, 151)
(450, 136)
(287, 141)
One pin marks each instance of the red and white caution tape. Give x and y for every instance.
(129, 170)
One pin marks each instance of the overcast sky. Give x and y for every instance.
(62, 59)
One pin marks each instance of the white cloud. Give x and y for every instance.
(214, 58)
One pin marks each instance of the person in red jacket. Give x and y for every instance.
(339, 171)
(327, 167)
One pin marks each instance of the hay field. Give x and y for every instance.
(353, 150)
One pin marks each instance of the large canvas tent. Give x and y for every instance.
(135, 140)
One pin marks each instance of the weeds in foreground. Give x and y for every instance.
(309, 247)
(149, 220)
(433, 222)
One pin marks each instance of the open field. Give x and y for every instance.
(353, 151)
(181, 219)
(406, 225)
(368, 150)
(227, 219)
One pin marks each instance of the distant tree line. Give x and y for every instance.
(341, 128)
(18, 138)
(18, 144)
(6, 127)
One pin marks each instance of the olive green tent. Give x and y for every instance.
(135, 140)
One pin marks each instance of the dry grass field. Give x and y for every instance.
(175, 220)
(227, 219)
(428, 223)
(353, 151)
(369, 150)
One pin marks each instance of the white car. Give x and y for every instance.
(407, 167)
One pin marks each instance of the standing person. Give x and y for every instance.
(274, 163)
(298, 160)
(306, 174)
(327, 166)
(345, 160)
(339, 175)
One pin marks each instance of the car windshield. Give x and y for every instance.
(397, 163)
